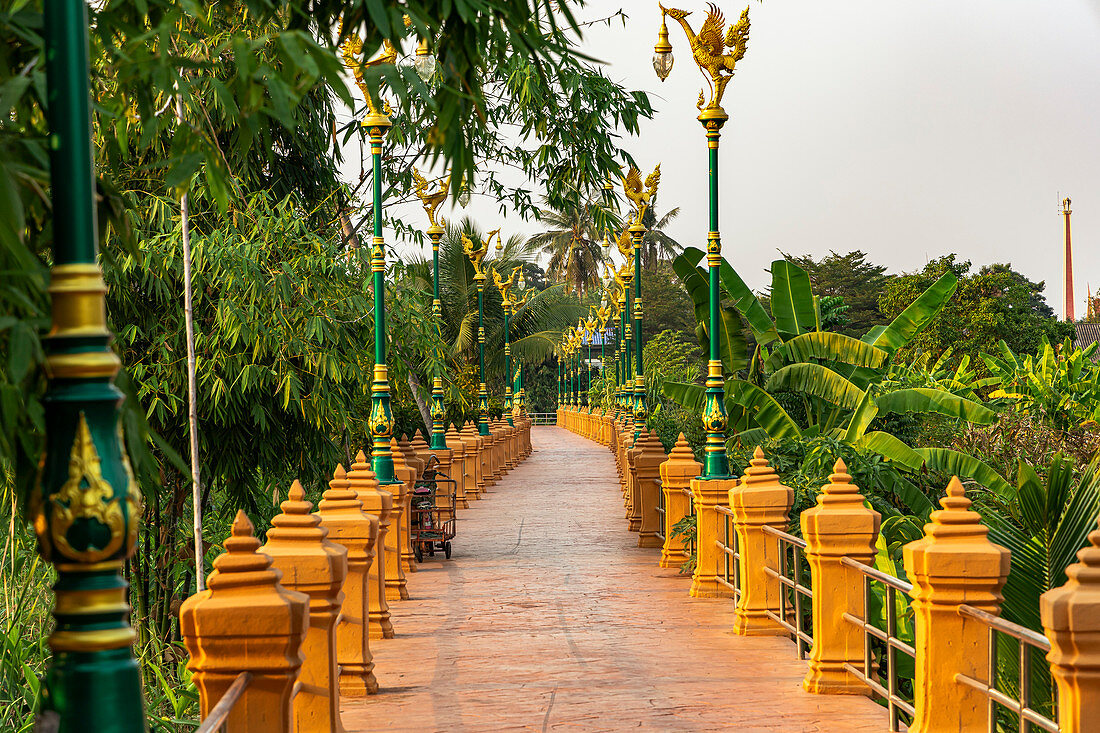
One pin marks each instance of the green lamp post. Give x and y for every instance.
(476, 255)
(640, 195)
(505, 285)
(86, 507)
(717, 70)
(432, 200)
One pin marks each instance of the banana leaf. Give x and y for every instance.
(828, 346)
(819, 381)
(747, 304)
(920, 312)
(767, 413)
(960, 464)
(864, 413)
(925, 400)
(792, 300)
(691, 397)
(889, 446)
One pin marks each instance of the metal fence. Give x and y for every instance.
(661, 510)
(793, 575)
(874, 673)
(543, 418)
(693, 537)
(729, 570)
(1028, 642)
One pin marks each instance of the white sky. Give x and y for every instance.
(905, 128)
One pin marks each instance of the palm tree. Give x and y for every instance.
(656, 245)
(574, 245)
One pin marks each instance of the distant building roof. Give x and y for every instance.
(1087, 333)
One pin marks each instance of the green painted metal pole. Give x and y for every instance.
(483, 391)
(558, 360)
(438, 412)
(715, 462)
(508, 361)
(381, 417)
(640, 411)
(86, 507)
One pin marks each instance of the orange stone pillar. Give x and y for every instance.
(649, 454)
(378, 503)
(342, 515)
(709, 494)
(246, 622)
(759, 501)
(474, 464)
(402, 499)
(457, 446)
(676, 475)
(839, 526)
(415, 462)
(1071, 619)
(299, 548)
(954, 564)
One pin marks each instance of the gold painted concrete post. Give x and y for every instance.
(423, 451)
(341, 513)
(471, 461)
(648, 457)
(246, 622)
(954, 564)
(759, 501)
(379, 504)
(676, 475)
(457, 446)
(708, 495)
(402, 501)
(299, 548)
(838, 526)
(1071, 620)
(416, 463)
(633, 501)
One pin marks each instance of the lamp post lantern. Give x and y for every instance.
(505, 285)
(717, 62)
(476, 254)
(431, 200)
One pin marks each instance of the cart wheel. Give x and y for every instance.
(447, 549)
(418, 552)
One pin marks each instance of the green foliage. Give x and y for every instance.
(996, 303)
(667, 305)
(1060, 386)
(852, 279)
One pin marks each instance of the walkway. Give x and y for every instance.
(549, 617)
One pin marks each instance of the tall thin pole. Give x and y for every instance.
(381, 417)
(508, 358)
(439, 437)
(636, 232)
(192, 392)
(1068, 304)
(483, 391)
(716, 462)
(86, 507)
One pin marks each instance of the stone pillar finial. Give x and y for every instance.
(1071, 620)
(397, 588)
(246, 622)
(676, 475)
(379, 503)
(759, 501)
(299, 547)
(838, 526)
(341, 513)
(953, 564)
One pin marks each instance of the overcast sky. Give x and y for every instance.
(905, 128)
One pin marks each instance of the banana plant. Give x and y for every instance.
(1059, 385)
(842, 383)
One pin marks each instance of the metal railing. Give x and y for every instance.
(790, 575)
(215, 721)
(543, 418)
(1020, 706)
(730, 569)
(870, 673)
(661, 509)
(693, 537)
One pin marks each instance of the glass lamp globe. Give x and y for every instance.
(522, 282)
(464, 196)
(662, 53)
(425, 66)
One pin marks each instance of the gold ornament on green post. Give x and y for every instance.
(476, 254)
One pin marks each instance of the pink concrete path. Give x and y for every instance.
(549, 617)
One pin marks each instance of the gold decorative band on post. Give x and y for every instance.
(77, 295)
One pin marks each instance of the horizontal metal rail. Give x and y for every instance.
(788, 576)
(1020, 706)
(896, 705)
(220, 712)
(660, 509)
(543, 418)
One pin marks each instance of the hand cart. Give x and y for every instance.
(432, 512)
